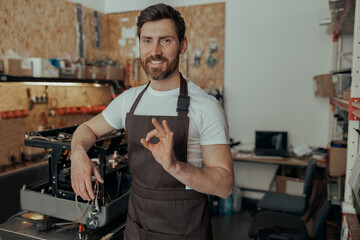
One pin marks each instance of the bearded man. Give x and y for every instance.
(178, 140)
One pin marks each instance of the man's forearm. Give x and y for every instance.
(209, 180)
(83, 138)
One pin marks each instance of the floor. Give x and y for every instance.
(234, 226)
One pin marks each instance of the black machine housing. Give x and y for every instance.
(56, 197)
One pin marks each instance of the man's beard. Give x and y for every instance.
(158, 73)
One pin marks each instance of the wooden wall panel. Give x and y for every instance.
(205, 23)
(46, 29)
(12, 131)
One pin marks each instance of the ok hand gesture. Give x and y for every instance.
(162, 151)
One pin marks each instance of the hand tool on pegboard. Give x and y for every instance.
(36, 99)
(80, 36)
(44, 119)
(30, 101)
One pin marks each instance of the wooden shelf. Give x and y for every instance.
(286, 161)
(342, 16)
(7, 78)
(344, 104)
(353, 107)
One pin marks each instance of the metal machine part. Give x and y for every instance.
(56, 198)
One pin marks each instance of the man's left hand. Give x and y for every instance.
(162, 151)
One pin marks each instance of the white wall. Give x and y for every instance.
(272, 51)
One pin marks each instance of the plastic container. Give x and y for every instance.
(226, 205)
(237, 199)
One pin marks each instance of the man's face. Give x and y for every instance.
(159, 49)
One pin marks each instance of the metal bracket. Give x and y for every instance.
(354, 109)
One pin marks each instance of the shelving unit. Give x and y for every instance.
(6, 78)
(344, 104)
(354, 112)
(352, 107)
(350, 14)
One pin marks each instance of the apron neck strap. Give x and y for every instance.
(132, 110)
(183, 98)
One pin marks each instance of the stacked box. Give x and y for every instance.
(95, 72)
(324, 86)
(337, 159)
(16, 67)
(115, 73)
(42, 68)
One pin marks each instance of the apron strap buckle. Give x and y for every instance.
(183, 103)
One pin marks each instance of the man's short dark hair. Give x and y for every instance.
(162, 11)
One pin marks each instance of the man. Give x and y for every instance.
(177, 140)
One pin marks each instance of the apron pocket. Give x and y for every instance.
(134, 232)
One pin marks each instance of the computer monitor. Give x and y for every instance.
(271, 143)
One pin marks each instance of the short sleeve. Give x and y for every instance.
(214, 128)
(114, 112)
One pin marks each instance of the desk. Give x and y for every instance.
(255, 175)
(290, 162)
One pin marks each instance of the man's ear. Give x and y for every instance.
(183, 45)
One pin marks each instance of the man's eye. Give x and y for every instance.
(165, 41)
(146, 41)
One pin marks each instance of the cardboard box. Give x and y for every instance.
(346, 94)
(95, 72)
(26, 68)
(289, 185)
(16, 67)
(80, 71)
(42, 68)
(337, 161)
(12, 67)
(115, 73)
(324, 86)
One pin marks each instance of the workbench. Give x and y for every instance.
(255, 175)
(19, 228)
(282, 161)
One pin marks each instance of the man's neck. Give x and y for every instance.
(170, 83)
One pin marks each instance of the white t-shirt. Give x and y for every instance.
(208, 124)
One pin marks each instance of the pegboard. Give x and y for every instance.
(47, 29)
(13, 130)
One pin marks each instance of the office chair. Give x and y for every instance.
(281, 226)
(282, 202)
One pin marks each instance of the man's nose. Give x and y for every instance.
(156, 49)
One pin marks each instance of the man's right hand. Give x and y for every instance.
(81, 171)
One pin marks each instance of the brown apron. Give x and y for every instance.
(159, 206)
